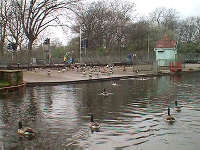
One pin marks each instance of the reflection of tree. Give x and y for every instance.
(48, 97)
(91, 99)
(5, 113)
(9, 106)
(32, 109)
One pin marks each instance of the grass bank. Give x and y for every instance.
(4, 84)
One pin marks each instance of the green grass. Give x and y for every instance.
(4, 84)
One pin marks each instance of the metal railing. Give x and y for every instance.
(138, 59)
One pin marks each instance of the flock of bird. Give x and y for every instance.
(29, 133)
(93, 125)
(90, 71)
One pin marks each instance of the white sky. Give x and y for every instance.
(184, 7)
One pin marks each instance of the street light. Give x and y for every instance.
(148, 44)
(83, 44)
(80, 46)
(47, 45)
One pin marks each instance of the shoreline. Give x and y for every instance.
(42, 77)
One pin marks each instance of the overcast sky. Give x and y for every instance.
(184, 7)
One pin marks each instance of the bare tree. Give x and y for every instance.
(3, 23)
(103, 23)
(36, 16)
(165, 17)
(14, 26)
(189, 30)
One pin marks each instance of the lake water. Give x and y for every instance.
(132, 117)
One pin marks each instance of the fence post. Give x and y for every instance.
(155, 67)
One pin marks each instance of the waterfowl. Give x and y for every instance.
(84, 73)
(169, 118)
(48, 72)
(104, 93)
(90, 74)
(63, 70)
(26, 131)
(124, 68)
(177, 108)
(137, 71)
(94, 126)
(114, 84)
(97, 74)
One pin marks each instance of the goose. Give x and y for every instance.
(94, 126)
(177, 108)
(169, 118)
(26, 131)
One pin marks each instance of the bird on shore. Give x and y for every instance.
(25, 131)
(36, 70)
(90, 75)
(49, 73)
(169, 118)
(124, 68)
(94, 126)
(177, 108)
(63, 70)
(84, 73)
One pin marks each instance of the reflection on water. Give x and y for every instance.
(132, 117)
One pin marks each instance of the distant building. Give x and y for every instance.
(166, 51)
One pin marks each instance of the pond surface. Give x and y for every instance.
(132, 117)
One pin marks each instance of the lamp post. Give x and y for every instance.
(80, 46)
(148, 44)
(47, 50)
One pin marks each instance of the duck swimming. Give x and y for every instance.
(177, 108)
(169, 118)
(104, 93)
(94, 126)
(114, 84)
(26, 131)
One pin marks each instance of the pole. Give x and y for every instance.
(49, 53)
(148, 45)
(80, 47)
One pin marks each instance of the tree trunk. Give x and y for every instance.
(1, 48)
(30, 45)
(2, 42)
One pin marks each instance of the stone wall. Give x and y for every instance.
(14, 77)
